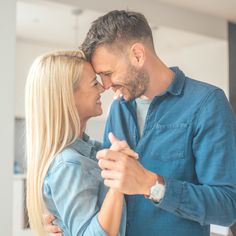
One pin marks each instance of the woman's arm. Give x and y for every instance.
(111, 211)
(74, 192)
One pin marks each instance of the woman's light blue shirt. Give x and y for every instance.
(74, 190)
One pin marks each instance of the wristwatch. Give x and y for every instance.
(157, 192)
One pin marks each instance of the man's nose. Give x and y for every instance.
(106, 82)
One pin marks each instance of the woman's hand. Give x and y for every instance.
(50, 228)
(121, 146)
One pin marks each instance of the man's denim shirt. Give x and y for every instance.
(189, 138)
(74, 190)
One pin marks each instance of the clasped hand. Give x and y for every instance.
(121, 169)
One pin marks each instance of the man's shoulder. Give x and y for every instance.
(200, 85)
(197, 88)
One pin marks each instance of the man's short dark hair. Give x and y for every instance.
(116, 28)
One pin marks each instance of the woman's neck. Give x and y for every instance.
(82, 128)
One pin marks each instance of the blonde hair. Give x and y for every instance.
(52, 121)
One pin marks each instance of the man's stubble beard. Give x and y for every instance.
(137, 82)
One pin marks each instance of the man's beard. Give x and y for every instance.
(137, 82)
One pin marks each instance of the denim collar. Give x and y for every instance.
(177, 85)
(175, 88)
(84, 147)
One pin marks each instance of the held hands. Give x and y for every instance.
(122, 171)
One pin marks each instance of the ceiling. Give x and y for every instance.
(57, 24)
(225, 9)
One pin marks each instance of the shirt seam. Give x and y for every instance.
(201, 106)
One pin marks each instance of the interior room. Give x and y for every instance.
(196, 36)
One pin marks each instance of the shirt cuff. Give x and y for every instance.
(173, 195)
(96, 225)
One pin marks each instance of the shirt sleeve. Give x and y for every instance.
(75, 196)
(213, 199)
(106, 141)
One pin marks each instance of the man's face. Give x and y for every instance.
(118, 73)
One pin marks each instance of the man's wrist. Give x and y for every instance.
(151, 179)
(156, 187)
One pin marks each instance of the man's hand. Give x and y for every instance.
(123, 173)
(121, 146)
(50, 228)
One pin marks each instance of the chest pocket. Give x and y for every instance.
(168, 142)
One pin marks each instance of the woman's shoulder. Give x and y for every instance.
(77, 153)
(66, 156)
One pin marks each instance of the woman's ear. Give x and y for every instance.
(137, 54)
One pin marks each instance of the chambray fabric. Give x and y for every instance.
(74, 191)
(189, 138)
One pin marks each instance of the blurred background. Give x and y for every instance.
(197, 36)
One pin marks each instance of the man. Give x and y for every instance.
(184, 131)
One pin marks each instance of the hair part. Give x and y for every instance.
(117, 29)
(52, 121)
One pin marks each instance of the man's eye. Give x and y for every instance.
(108, 74)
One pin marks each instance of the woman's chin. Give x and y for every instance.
(98, 113)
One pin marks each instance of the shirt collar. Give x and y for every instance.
(177, 85)
(175, 88)
(84, 147)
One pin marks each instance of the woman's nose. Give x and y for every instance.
(101, 89)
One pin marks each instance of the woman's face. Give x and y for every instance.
(88, 94)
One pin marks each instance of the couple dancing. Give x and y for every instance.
(167, 162)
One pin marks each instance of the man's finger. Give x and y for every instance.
(129, 152)
(118, 94)
(111, 183)
(112, 138)
(122, 146)
(108, 164)
(108, 154)
(110, 174)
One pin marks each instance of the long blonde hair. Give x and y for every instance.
(52, 121)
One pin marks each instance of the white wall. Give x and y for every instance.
(26, 52)
(206, 62)
(7, 65)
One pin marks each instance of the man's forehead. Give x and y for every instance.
(101, 68)
(102, 64)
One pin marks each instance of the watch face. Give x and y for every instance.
(157, 192)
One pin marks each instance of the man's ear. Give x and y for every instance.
(137, 54)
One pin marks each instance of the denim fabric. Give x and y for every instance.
(189, 138)
(74, 190)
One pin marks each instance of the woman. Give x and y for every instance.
(63, 177)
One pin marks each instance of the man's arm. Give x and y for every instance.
(213, 199)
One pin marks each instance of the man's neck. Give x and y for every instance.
(160, 77)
